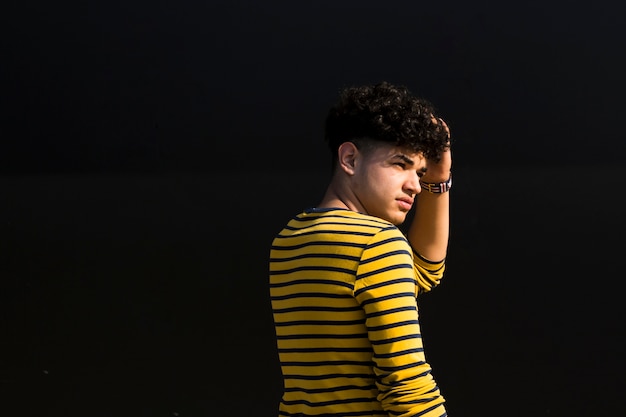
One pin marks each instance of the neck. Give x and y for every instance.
(334, 198)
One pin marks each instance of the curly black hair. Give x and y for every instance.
(388, 113)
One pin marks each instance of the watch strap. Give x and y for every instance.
(437, 187)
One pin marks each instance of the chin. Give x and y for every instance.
(397, 220)
(394, 217)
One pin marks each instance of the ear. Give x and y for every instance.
(346, 157)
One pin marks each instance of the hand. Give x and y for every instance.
(439, 171)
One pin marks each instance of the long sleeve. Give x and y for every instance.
(386, 287)
(427, 273)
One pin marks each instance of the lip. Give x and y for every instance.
(405, 203)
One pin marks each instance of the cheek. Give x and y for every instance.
(372, 189)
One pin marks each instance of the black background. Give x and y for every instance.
(150, 151)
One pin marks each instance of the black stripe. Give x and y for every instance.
(311, 268)
(331, 389)
(320, 323)
(388, 268)
(325, 403)
(429, 261)
(386, 254)
(392, 325)
(316, 308)
(383, 284)
(365, 364)
(367, 413)
(396, 339)
(311, 281)
(400, 238)
(315, 256)
(400, 353)
(325, 349)
(391, 311)
(317, 243)
(328, 376)
(389, 297)
(322, 231)
(309, 295)
(322, 336)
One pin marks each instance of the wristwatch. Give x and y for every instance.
(437, 187)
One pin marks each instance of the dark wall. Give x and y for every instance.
(146, 295)
(149, 152)
(143, 87)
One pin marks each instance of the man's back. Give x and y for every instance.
(343, 287)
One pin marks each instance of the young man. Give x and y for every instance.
(344, 278)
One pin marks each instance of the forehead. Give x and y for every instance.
(391, 152)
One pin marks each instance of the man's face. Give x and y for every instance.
(386, 181)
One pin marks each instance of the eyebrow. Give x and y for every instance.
(408, 160)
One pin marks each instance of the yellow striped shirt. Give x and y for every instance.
(343, 287)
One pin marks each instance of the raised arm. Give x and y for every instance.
(429, 231)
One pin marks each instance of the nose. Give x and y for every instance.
(412, 185)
